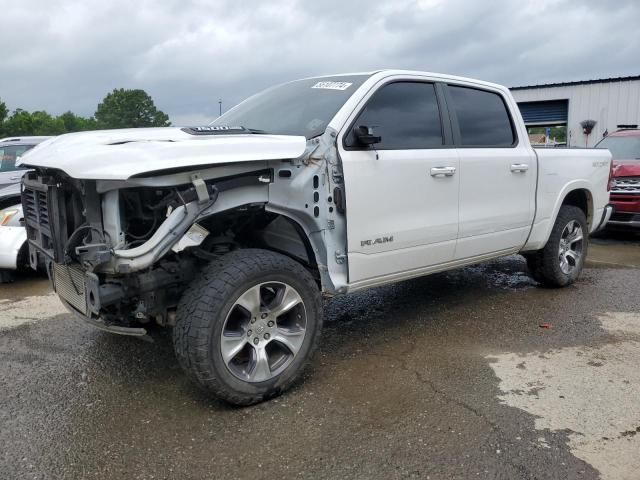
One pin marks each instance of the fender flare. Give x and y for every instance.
(541, 239)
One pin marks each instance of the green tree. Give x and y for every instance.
(22, 122)
(76, 123)
(129, 108)
(4, 111)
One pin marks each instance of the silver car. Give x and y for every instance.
(11, 149)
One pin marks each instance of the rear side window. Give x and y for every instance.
(483, 118)
(404, 114)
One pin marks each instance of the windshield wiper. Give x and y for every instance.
(255, 130)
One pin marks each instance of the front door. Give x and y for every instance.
(401, 193)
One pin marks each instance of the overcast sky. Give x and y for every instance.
(60, 55)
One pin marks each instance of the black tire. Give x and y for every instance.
(23, 257)
(545, 266)
(211, 297)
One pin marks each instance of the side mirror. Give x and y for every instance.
(364, 135)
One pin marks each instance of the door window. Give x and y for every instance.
(483, 118)
(404, 114)
(9, 155)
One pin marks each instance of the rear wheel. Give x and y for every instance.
(560, 262)
(247, 327)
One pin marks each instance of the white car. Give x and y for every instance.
(13, 236)
(233, 233)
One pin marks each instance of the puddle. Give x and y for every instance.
(508, 273)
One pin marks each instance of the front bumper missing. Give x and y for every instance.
(102, 325)
(76, 290)
(70, 284)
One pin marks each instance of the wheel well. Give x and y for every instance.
(254, 227)
(582, 199)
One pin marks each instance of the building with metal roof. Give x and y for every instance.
(610, 102)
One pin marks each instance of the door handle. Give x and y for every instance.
(519, 167)
(443, 171)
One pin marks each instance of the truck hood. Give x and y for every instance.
(121, 154)
(626, 168)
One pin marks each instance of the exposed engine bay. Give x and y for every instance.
(122, 253)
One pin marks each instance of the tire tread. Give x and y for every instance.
(543, 264)
(207, 293)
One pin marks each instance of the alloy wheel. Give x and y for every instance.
(263, 331)
(571, 247)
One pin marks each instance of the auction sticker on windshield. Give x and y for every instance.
(333, 85)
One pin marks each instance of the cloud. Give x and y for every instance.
(187, 54)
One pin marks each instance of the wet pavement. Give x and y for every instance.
(615, 249)
(447, 376)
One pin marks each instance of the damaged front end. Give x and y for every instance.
(119, 254)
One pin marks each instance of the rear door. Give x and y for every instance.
(402, 193)
(497, 173)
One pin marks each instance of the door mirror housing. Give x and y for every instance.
(364, 135)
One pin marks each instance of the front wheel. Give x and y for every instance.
(561, 260)
(247, 327)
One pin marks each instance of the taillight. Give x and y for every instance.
(611, 178)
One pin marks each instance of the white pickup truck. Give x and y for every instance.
(234, 232)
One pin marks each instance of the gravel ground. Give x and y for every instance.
(448, 376)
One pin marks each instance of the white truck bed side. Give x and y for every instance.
(561, 171)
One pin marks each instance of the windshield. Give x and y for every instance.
(622, 148)
(303, 107)
(10, 154)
